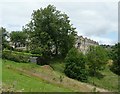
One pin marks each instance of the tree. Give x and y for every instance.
(108, 50)
(76, 65)
(50, 30)
(116, 59)
(18, 38)
(97, 59)
(4, 36)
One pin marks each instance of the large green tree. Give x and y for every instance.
(51, 31)
(18, 38)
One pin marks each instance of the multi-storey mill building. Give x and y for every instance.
(83, 44)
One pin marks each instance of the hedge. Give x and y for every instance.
(15, 57)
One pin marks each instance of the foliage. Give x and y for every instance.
(15, 57)
(116, 59)
(108, 82)
(108, 50)
(75, 65)
(4, 36)
(42, 61)
(37, 51)
(58, 65)
(18, 38)
(97, 58)
(51, 30)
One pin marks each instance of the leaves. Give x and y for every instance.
(18, 37)
(116, 59)
(51, 29)
(4, 35)
(97, 58)
(75, 65)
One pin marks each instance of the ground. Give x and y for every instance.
(30, 77)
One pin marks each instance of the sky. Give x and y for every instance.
(94, 19)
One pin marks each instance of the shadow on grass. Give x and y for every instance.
(97, 75)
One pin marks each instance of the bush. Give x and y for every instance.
(9, 47)
(18, 50)
(42, 61)
(37, 51)
(97, 59)
(15, 57)
(116, 59)
(75, 65)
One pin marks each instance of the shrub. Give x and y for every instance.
(41, 60)
(15, 56)
(37, 51)
(18, 50)
(75, 65)
(116, 59)
(97, 59)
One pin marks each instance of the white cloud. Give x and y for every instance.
(103, 40)
(92, 19)
(59, 1)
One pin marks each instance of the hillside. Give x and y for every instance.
(108, 80)
(30, 77)
(16, 80)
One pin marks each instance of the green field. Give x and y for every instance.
(29, 77)
(18, 81)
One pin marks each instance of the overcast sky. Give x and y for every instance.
(95, 20)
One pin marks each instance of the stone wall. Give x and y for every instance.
(83, 44)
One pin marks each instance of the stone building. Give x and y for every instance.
(83, 44)
(19, 46)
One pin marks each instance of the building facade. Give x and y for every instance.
(83, 44)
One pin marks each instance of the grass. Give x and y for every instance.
(17, 81)
(58, 66)
(109, 81)
(0, 70)
(32, 77)
(48, 79)
(27, 83)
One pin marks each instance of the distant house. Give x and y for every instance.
(18, 46)
(83, 44)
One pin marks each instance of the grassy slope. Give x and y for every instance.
(0, 70)
(50, 79)
(109, 81)
(18, 81)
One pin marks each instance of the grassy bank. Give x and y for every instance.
(30, 77)
(109, 80)
(18, 81)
